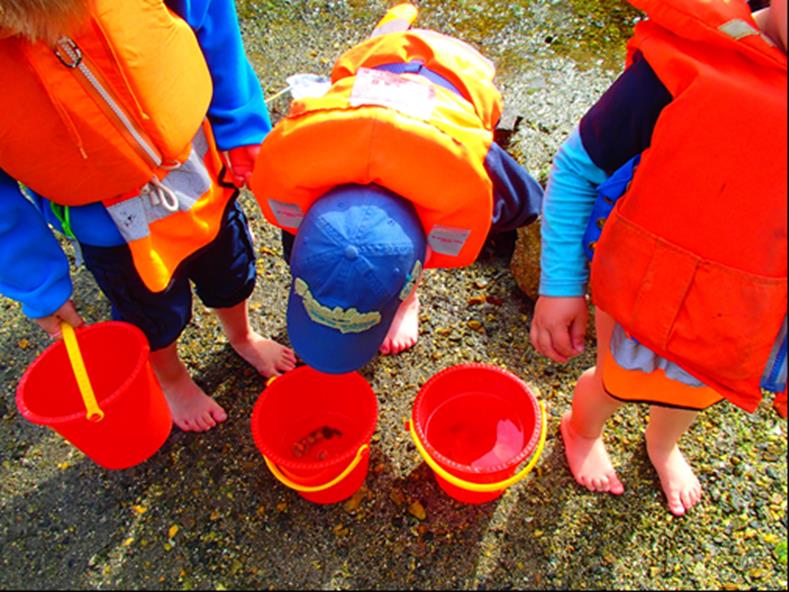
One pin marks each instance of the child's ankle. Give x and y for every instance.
(580, 430)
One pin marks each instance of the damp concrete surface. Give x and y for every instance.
(205, 513)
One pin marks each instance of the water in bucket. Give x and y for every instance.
(136, 417)
(474, 424)
(476, 429)
(314, 429)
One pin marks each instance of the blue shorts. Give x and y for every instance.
(223, 273)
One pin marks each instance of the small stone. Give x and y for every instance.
(417, 510)
(397, 497)
(355, 501)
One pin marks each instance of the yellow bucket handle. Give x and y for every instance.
(93, 411)
(315, 488)
(483, 487)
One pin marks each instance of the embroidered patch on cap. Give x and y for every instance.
(411, 280)
(343, 320)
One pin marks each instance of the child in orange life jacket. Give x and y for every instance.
(109, 111)
(392, 170)
(682, 162)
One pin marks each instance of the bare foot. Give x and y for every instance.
(679, 482)
(588, 460)
(267, 356)
(404, 330)
(192, 409)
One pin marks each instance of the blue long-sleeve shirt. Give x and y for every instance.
(33, 269)
(616, 129)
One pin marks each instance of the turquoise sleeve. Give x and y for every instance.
(569, 197)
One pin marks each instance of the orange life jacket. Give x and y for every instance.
(693, 260)
(108, 115)
(104, 111)
(424, 138)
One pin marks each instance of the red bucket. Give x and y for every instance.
(314, 431)
(132, 418)
(474, 424)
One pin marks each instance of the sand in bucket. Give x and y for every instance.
(314, 430)
(474, 424)
(137, 419)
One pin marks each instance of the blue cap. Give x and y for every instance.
(357, 256)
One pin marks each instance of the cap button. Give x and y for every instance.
(351, 252)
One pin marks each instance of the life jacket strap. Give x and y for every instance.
(418, 67)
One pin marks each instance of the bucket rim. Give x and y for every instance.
(106, 402)
(528, 447)
(295, 465)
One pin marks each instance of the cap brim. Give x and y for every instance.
(328, 350)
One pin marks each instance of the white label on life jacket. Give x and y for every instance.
(385, 89)
(288, 215)
(447, 240)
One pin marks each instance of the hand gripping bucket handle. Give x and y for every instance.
(482, 487)
(92, 410)
(363, 449)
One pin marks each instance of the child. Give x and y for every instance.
(687, 150)
(103, 113)
(392, 170)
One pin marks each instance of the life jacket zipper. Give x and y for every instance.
(71, 56)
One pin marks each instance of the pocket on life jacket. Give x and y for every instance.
(717, 322)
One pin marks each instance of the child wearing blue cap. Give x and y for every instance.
(392, 170)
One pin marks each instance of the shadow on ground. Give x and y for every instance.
(205, 512)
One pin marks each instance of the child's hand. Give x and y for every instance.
(51, 324)
(558, 327)
(241, 163)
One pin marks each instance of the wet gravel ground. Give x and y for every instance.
(205, 512)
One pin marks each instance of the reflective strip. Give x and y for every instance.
(631, 355)
(189, 182)
(397, 19)
(448, 241)
(774, 377)
(737, 29)
(288, 215)
(395, 26)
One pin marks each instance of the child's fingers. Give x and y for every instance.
(542, 341)
(69, 314)
(561, 341)
(577, 333)
(51, 325)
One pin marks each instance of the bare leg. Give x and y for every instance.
(679, 482)
(267, 356)
(404, 330)
(582, 427)
(192, 409)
